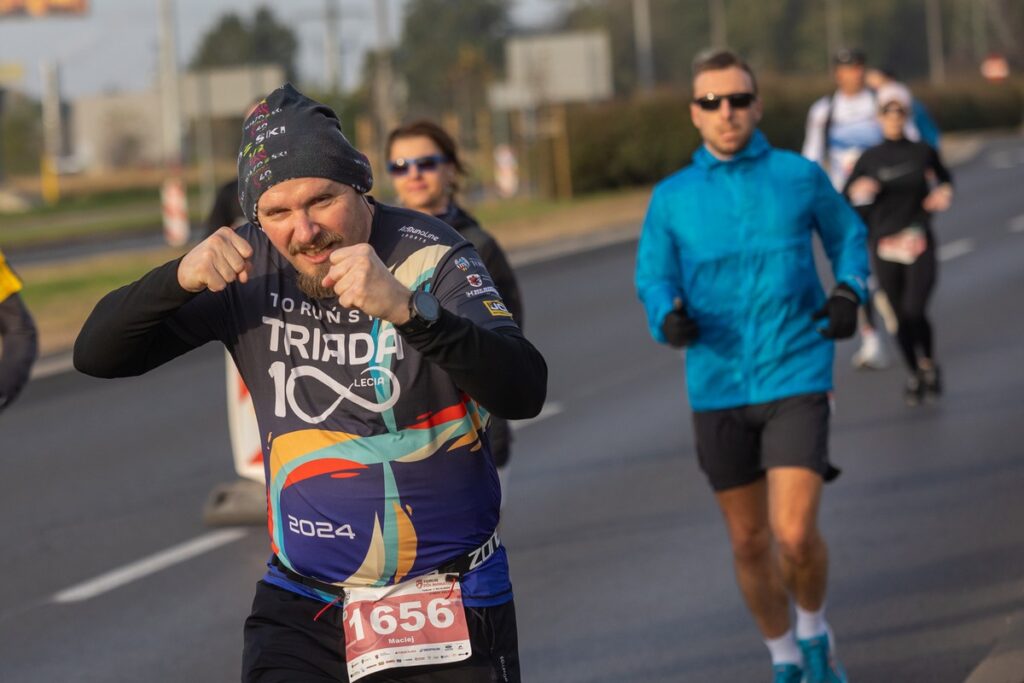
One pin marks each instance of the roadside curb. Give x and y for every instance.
(53, 364)
(558, 247)
(961, 148)
(1005, 664)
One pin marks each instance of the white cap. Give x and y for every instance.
(893, 93)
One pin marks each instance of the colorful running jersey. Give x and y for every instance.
(377, 466)
(9, 282)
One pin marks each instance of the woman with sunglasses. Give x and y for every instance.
(901, 183)
(424, 166)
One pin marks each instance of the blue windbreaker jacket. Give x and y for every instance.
(733, 241)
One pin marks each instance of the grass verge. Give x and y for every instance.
(61, 296)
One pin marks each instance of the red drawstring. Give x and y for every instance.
(328, 606)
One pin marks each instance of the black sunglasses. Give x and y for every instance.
(400, 167)
(737, 100)
(894, 108)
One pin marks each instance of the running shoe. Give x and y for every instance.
(820, 663)
(787, 673)
(871, 354)
(931, 379)
(913, 390)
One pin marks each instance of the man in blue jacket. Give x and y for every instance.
(725, 268)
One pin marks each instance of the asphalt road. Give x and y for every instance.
(619, 558)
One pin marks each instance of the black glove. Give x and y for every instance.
(679, 329)
(841, 311)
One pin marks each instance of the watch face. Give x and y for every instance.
(427, 306)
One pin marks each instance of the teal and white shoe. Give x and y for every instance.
(787, 673)
(820, 662)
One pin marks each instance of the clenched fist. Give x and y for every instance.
(216, 262)
(362, 281)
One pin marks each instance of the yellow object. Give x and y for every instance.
(9, 282)
(50, 180)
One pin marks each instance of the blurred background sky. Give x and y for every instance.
(567, 96)
(115, 46)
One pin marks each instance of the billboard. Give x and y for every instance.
(556, 68)
(42, 8)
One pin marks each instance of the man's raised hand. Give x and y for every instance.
(216, 262)
(362, 281)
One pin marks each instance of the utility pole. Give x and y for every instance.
(332, 54)
(719, 30)
(52, 132)
(979, 31)
(833, 29)
(386, 116)
(170, 96)
(936, 60)
(644, 50)
(174, 201)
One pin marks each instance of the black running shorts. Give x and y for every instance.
(735, 446)
(284, 645)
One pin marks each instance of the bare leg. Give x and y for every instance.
(794, 495)
(745, 509)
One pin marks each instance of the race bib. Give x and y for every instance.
(417, 622)
(904, 247)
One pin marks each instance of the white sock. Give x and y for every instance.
(784, 649)
(810, 624)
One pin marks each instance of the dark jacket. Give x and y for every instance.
(492, 255)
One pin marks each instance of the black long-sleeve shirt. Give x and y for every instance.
(493, 256)
(133, 330)
(373, 437)
(905, 171)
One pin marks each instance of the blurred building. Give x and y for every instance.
(120, 130)
(557, 68)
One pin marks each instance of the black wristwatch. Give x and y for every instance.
(424, 312)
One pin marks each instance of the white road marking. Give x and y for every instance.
(148, 565)
(550, 409)
(1017, 224)
(955, 249)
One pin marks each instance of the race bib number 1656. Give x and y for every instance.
(417, 622)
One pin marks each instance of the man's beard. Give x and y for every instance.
(310, 283)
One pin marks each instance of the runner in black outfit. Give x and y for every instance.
(424, 165)
(904, 182)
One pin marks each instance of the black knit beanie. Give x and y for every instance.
(291, 136)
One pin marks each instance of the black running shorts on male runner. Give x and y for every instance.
(735, 446)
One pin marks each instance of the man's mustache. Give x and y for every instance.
(319, 243)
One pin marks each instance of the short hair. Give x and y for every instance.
(718, 59)
(437, 134)
(850, 56)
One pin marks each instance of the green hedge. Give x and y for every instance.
(974, 106)
(624, 143)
